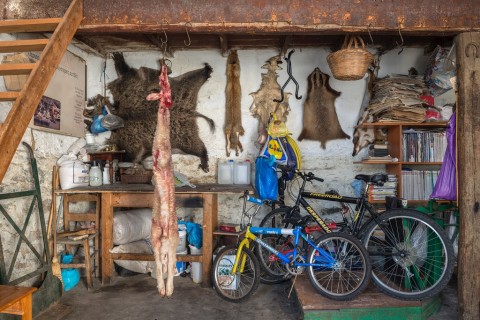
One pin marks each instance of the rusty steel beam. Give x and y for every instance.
(429, 17)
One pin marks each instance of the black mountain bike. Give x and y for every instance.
(411, 255)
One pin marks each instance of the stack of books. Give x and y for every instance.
(378, 193)
(379, 150)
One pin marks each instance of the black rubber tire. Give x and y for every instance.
(412, 258)
(223, 281)
(352, 275)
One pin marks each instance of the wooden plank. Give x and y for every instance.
(23, 45)
(30, 25)
(10, 69)
(151, 257)
(210, 212)
(468, 131)
(9, 96)
(24, 107)
(107, 238)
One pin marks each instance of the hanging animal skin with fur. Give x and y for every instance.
(320, 121)
(233, 114)
(263, 104)
(129, 91)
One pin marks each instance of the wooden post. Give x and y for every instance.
(468, 131)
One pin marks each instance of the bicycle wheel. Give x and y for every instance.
(241, 285)
(411, 256)
(350, 273)
(273, 271)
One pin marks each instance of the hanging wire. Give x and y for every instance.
(400, 45)
(187, 24)
(368, 30)
(104, 76)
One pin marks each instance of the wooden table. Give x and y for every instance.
(17, 300)
(140, 196)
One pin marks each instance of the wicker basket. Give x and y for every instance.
(350, 63)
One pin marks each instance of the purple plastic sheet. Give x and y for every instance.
(446, 185)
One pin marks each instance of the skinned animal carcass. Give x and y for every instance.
(129, 91)
(233, 114)
(164, 233)
(263, 104)
(320, 121)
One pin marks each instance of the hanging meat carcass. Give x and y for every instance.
(263, 99)
(233, 113)
(320, 121)
(129, 91)
(164, 217)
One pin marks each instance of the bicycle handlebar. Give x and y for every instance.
(305, 176)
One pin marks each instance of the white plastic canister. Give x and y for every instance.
(225, 172)
(242, 173)
(73, 174)
(182, 234)
(196, 266)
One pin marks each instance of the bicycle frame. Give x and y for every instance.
(324, 260)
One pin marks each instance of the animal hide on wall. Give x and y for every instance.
(320, 121)
(233, 113)
(263, 104)
(129, 91)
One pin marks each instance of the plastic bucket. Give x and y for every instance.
(196, 266)
(182, 243)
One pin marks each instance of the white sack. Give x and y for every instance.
(132, 265)
(131, 225)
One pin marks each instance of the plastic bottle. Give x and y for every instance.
(106, 174)
(95, 175)
(242, 173)
(225, 172)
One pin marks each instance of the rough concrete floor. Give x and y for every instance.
(136, 298)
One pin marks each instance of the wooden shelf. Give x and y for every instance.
(437, 124)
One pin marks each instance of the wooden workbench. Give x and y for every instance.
(141, 196)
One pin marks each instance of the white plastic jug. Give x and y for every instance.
(242, 173)
(225, 172)
(95, 175)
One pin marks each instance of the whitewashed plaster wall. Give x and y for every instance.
(334, 164)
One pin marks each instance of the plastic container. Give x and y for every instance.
(73, 174)
(182, 234)
(196, 266)
(180, 266)
(225, 172)
(241, 173)
(106, 174)
(95, 175)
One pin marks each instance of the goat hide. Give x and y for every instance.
(263, 105)
(320, 121)
(233, 114)
(129, 91)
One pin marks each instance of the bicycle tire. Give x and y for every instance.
(412, 258)
(235, 287)
(273, 273)
(351, 272)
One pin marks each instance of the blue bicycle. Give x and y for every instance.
(337, 264)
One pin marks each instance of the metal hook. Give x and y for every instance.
(290, 77)
(164, 42)
(368, 30)
(474, 50)
(401, 38)
(186, 30)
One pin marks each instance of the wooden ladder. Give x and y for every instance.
(40, 73)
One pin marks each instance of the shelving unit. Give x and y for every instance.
(394, 138)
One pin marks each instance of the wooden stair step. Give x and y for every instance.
(31, 25)
(23, 45)
(16, 68)
(9, 96)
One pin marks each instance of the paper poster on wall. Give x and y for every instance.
(61, 108)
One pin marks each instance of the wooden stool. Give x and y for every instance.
(17, 300)
(81, 237)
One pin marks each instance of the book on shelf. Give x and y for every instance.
(383, 158)
(229, 227)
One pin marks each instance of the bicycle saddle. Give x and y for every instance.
(378, 178)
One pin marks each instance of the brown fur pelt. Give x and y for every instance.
(263, 104)
(233, 113)
(320, 121)
(129, 91)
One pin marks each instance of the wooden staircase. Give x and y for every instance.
(26, 100)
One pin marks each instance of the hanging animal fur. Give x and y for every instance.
(320, 121)
(233, 114)
(263, 104)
